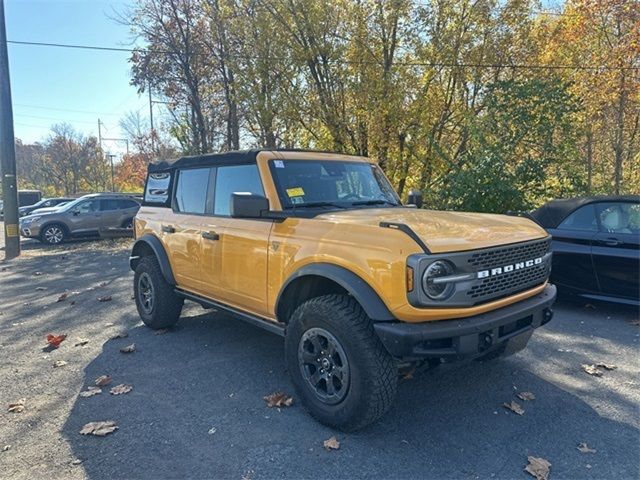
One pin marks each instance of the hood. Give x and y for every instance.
(443, 231)
(40, 211)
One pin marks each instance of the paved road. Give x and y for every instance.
(211, 372)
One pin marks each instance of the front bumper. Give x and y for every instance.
(505, 330)
(29, 230)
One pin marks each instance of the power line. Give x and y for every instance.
(356, 62)
(51, 118)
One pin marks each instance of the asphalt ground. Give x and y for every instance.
(197, 410)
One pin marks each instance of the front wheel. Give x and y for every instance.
(341, 371)
(157, 303)
(53, 234)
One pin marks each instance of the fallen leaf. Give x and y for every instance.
(91, 391)
(278, 399)
(77, 461)
(635, 322)
(17, 407)
(526, 396)
(584, 448)
(161, 331)
(590, 306)
(59, 363)
(121, 389)
(106, 298)
(54, 341)
(37, 274)
(120, 335)
(592, 370)
(99, 428)
(538, 467)
(102, 380)
(81, 343)
(6, 448)
(129, 348)
(331, 444)
(514, 407)
(409, 375)
(62, 297)
(73, 302)
(103, 284)
(606, 366)
(40, 289)
(212, 430)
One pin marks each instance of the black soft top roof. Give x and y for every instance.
(236, 157)
(551, 214)
(239, 157)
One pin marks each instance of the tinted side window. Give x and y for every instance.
(127, 204)
(582, 219)
(109, 204)
(191, 190)
(618, 217)
(238, 178)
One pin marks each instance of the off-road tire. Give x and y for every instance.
(166, 305)
(47, 236)
(372, 371)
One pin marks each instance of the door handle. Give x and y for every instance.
(168, 229)
(210, 235)
(611, 242)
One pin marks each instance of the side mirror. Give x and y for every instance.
(415, 198)
(248, 205)
(76, 213)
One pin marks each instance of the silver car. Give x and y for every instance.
(85, 216)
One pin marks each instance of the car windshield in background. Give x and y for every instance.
(318, 183)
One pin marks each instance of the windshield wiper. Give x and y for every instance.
(375, 202)
(316, 204)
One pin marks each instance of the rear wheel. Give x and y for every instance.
(157, 303)
(341, 371)
(53, 234)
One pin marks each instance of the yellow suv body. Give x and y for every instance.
(318, 248)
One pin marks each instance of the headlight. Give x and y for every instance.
(30, 219)
(438, 290)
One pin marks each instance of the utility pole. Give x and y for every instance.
(151, 116)
(111, 157)
(7, 150)
(100, 134)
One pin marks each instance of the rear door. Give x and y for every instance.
(571, 245)
(111, 212)
(616, 249)
(182, 229)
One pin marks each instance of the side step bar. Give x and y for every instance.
(273, 327)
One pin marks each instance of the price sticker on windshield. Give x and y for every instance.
(295, 192)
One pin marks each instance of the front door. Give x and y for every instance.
(616, 249)
(235, 256)
(85, 217)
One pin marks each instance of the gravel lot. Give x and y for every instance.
(197, 410)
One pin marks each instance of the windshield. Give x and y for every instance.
(326, 183)
(70, 205)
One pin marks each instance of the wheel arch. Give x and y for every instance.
(320, 279)
(151, 245)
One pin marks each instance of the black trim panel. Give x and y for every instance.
(406, 229)
(352, 283)
(158, 250)
(270, 326)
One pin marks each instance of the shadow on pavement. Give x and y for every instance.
(196, 411)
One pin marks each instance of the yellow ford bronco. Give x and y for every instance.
(317, 247)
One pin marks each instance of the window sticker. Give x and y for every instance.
(295, 192)
(279, 163)
(297, 200)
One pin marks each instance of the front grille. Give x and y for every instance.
(510, 283)
(508, 255)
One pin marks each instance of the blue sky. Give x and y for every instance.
(47, 83)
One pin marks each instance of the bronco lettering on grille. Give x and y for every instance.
(509, 268)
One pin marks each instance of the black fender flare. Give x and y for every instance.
(151, 241)
(366, 296)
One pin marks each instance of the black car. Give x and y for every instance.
(596, 246)
(44, 203)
